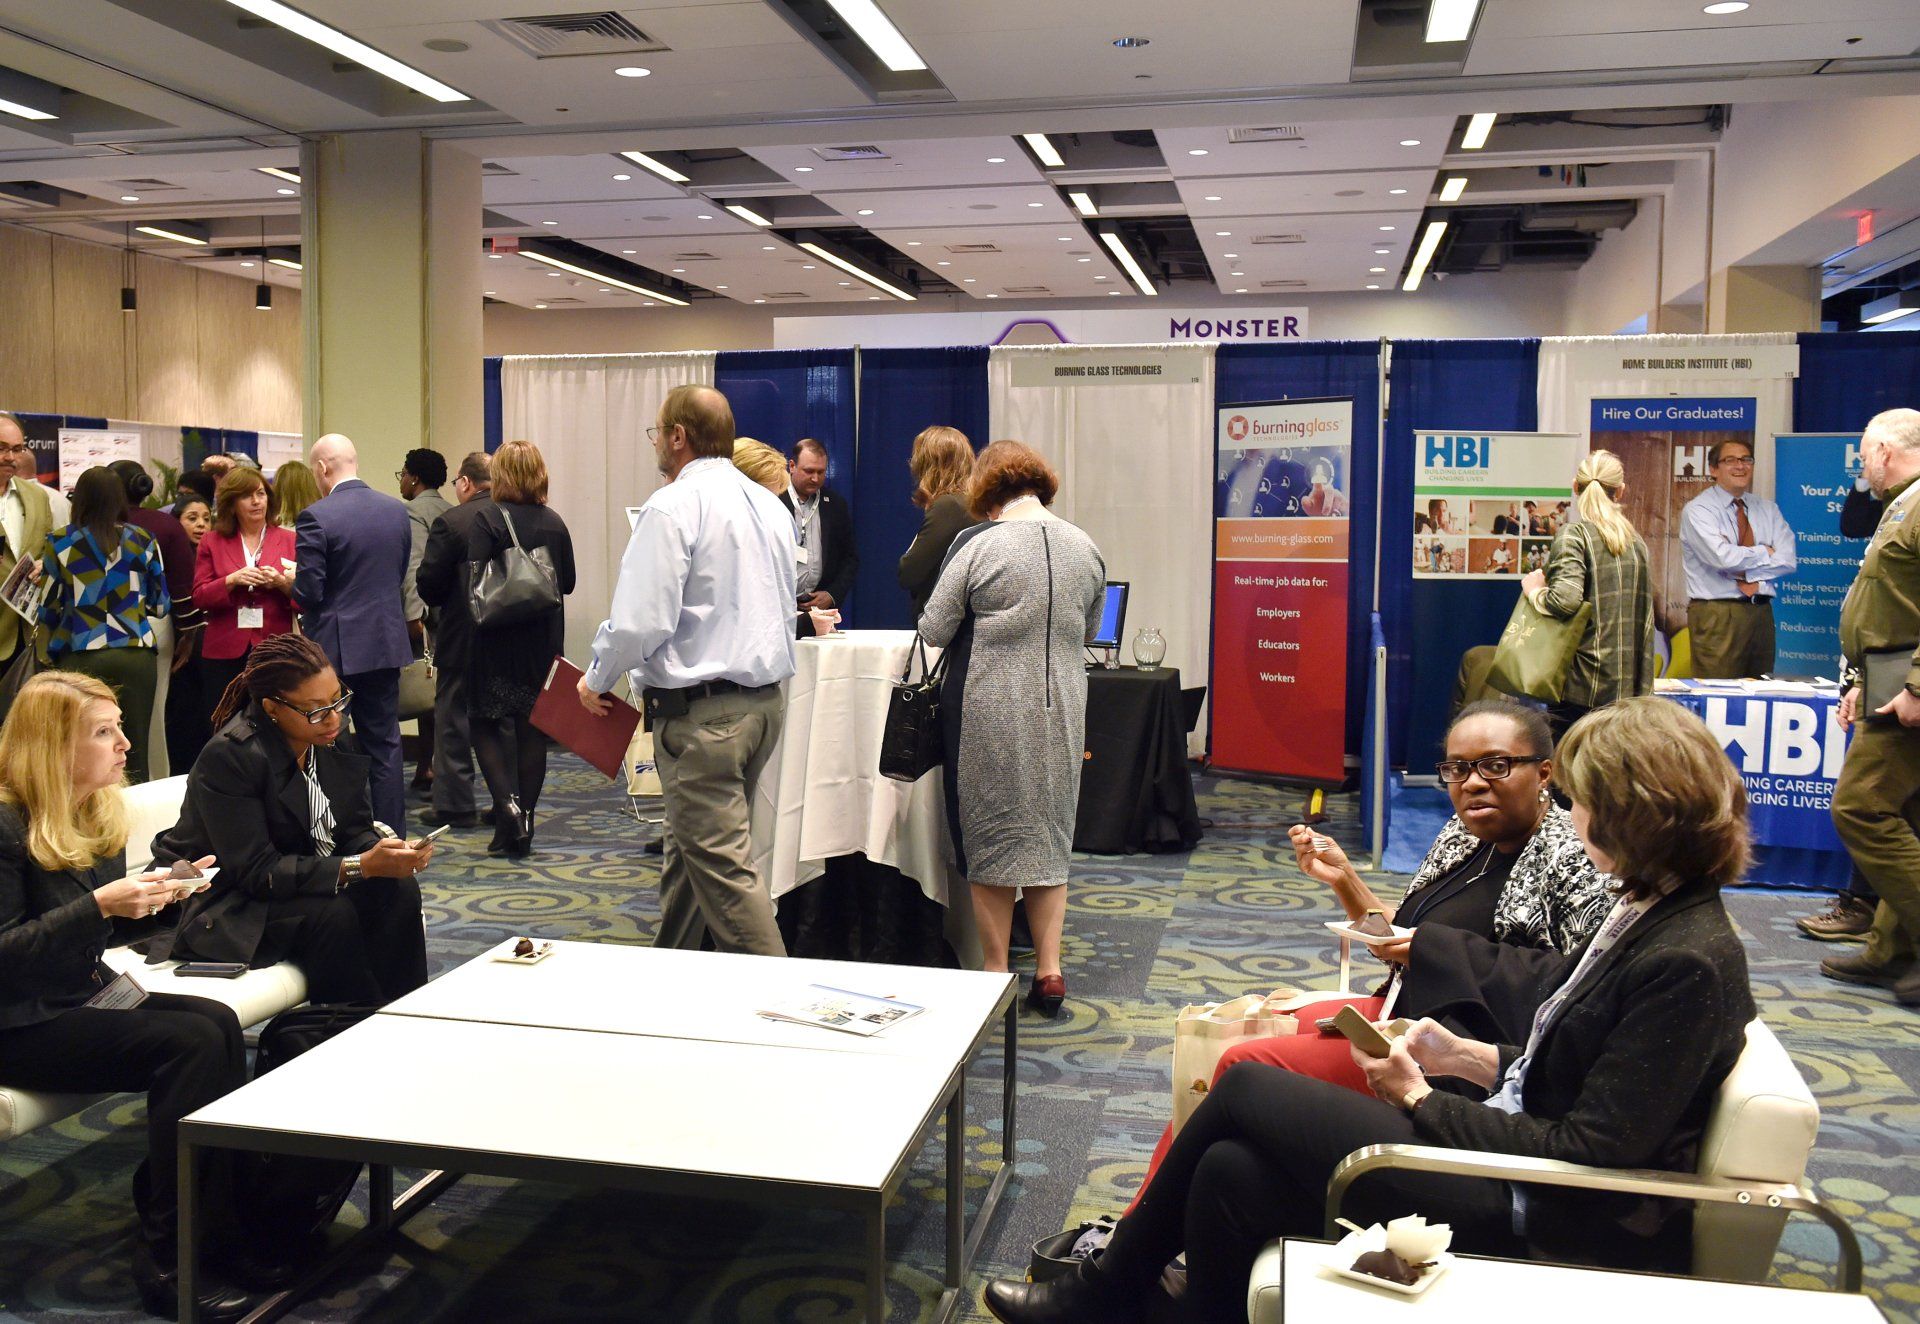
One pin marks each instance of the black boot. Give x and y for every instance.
(219, 1302)
(1080, 1297)
(511, 828)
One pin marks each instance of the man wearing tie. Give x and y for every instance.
(1734, 546)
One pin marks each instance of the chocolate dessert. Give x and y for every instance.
(1385, 1264)
(1375, 925)
(524, 947)
(183, 870)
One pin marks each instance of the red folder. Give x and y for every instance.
(601, 741)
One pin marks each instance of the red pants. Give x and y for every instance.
(1306, 1052)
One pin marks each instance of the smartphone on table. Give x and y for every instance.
(210, 969)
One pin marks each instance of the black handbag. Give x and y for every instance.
(1883, 674)
(26, 664)
(515, 586)
(911, 744)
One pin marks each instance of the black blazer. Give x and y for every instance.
(1625, 1078)
(443, 580)
(836, 524)
(246, 805)
(51, 930)
(946, 519)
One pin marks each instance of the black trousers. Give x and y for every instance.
(1252, 1164)
(452, 741)
(182, 1052)
(362, 944)
(376, 720)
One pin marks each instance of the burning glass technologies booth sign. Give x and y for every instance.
(1281, 501)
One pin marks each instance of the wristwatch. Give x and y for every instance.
(349, 871)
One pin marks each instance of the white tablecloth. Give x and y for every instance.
(822, 793)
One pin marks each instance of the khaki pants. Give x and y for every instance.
(1731, 640)
(709, 761)
(1876, 809)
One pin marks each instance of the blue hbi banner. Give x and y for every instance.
(1812, 474)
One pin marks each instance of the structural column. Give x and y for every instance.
(390, 243)
(1764, 299)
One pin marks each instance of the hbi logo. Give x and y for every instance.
(1853, 459)
(1690, 461)
(1459, 452)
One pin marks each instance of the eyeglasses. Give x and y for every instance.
(1736, 459)
(399, 475)
(1493, 768)
(653, 433)
(14, 450)
(315, 716)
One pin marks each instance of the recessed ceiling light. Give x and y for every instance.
(706, 216)
(866, 211)
(1065, 238)
(943, 264)
(881, 36)
(246, 264)
(1196, 151)
(628, 252)
(623, 178)
(804, 266)
(1725, 7)
(1453, 188)
(1386, 227)
(1213, 197)
(1376, 271)
(874, 298)
(660, 168)
(803, 170)
(341, 44)
(913, 243)
(846, 282)
(996, 160)
(1383, 251)
(632, 71)
(539, 305)
(1223, 234)
(1044, 149)
(767, 248)
(1451, 20)
(1036, 204)
(1478, 127)
(719, 287)
(1409, 142)
(1240, 291)
(129, 197)
(679, 271)
(1396, 192)
(606, 291)
(488, 293)
(968, 280)
(1101, 278)
(291, 176)
(759, 300)
(1086, 259)
(554, 274)
(1236, 273)
(549, 222)
(496, 256)
(748, 214)
(1231, 256)
(1373, 287)
(286, 192)
(1114, 294)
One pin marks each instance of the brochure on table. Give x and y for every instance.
(840, 1009)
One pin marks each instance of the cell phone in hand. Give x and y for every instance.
(211, 969)
(1361, 1032)
(434, 835)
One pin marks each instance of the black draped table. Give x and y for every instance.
(1136, 792)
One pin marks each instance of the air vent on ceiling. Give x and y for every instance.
(554, 36)
(1275, 133)
(1283, 285)
(695, 257)
(564, 300)
(866, 153)
(1028, 289)
(495, 169)
(787, 294)
(1280, 239)
(141, 185)
(973, 248)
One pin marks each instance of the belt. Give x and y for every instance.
(1757, 600)
(712, 689)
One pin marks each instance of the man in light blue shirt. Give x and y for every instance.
(703, 614)
(1734, 546)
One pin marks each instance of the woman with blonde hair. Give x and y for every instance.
(64, 898)
(942, 465)
(1599, 559)
(767, 467)
(294, 489)
(509, 663)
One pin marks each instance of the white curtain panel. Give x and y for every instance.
(1136, 467)
(589, 416)
(1567, 390)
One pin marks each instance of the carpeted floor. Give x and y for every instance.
(1144, 935)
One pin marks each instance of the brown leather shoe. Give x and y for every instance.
(1047, 993)
(1858, 970)
(1848, 919)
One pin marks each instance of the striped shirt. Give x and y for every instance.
(319, 809)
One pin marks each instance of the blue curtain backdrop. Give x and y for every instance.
(1478, 385)
(1244, 374)
(782, 396)
(235, 442)
(490, 404)
(1846, 379)
(901, 392)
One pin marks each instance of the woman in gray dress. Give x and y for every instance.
(1015, 604)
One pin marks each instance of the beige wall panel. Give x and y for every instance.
(249, 359)
(167, 365)
(26, 346)
(89, 331)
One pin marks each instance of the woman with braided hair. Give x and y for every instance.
(306, 874)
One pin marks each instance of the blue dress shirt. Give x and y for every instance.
(706, 587)
(1710, 548)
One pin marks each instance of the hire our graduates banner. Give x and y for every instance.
(1281, 503)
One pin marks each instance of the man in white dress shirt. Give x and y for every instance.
(703, 611)
(1734, 546)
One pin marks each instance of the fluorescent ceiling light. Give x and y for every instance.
(1453, 188)
(1477, 130)
(881, 36)
(632, 71)
(1451, 20)
(878, 282)
(1725, 7)
(1049, 155)
(1083, 203)
(578, 270)
(179, 236)
(286, 262)
(1423, 255)
(341, 44)
(748, 214)
(291, 176)
(1894, 305)
(25, 112)
(1124, 256)
(659, 168)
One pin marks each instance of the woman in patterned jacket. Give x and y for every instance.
(1507, 876)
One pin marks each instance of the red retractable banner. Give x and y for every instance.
(1281, 503)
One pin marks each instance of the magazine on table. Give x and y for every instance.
(839, 1009)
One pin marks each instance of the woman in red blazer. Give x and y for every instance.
(242, 577)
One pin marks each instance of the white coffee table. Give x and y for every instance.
(1475, 1288)
(482, 1071)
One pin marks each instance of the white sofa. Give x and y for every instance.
(1752, 1169)
(255, 996)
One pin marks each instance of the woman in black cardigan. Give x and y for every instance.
(63, 902)
(1635, 1033)
(306, 875)
(941, 464)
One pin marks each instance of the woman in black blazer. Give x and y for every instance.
(941, 464)
(306, 875)
(63, 902)
(1634, 1035)
(509, 664)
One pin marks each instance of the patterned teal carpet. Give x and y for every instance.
(1144, 935)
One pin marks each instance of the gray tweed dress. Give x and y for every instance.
(1014, 606)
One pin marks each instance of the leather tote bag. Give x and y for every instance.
(515, 586)
(1536, 651)
(911, 743)
(26, 664)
